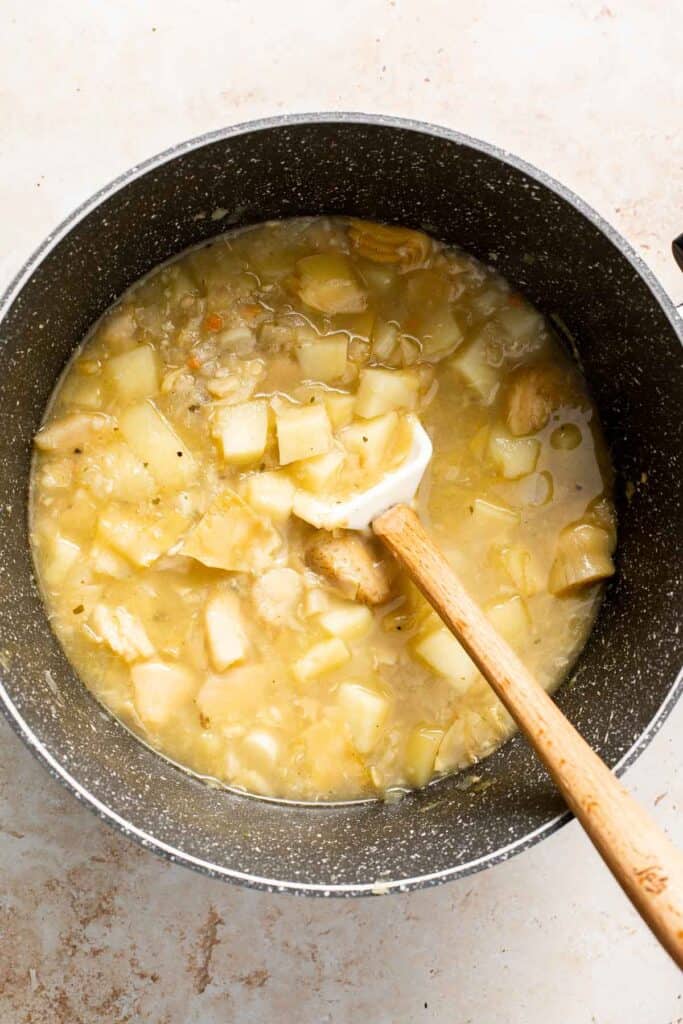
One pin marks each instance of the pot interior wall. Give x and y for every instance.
(564, 263)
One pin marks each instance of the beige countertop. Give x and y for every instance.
(93, 929)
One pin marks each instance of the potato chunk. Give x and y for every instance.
(324, 359)
(321, 658)
(442, 653)
(382, 391)
(154, 440)
(75, 430)
(472, 365)
(533, 393)
(230, 535)
(583, 556)
(514, 457)
(302, 431)
(133, 375)
(327, 282)
(339, 408)
(353, 565)
(235, 695)
(371, 439)
(160, 690)
(421, 748)
(271, 494)
(347, 619)
(365, 711)
(138, 536)
(511, 619)
(242, 431)
(276, 596)
(122, 632)
(61, 555)
(318, 473)
(225, 636)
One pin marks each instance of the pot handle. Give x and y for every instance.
(677, 249)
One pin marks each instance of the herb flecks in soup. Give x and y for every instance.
(233, 386)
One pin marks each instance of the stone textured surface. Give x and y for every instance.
(96, 930)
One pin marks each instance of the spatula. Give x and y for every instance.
(644, 862)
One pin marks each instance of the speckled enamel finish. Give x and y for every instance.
(604, 301)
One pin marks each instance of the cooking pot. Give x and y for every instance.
(605, 305)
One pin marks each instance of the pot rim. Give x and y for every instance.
(51, 763)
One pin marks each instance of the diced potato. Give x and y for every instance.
(60, 557)
(469, 738)
(324, 359)
(330, 755)
(321, 658)
(370, 439)
(472, 365)
(302, 432)
(583, 556)
(119, 474)
(318, 473)
(234, 696)
(242, 431)
(230, 535)
(365, 711)
(154, 440)
(381, 391)
(122, 632)
(79, 518)
(430, 314)
(514, 457)
(327, 282)
(353, 565)
(533, 393)
(511, 619)
(339, 408)
(318, 600)
(104, 561)
(262, 748)
(83, 391)
(225, 636)
(522, 569)
(133, 375)
(139, 537)
(487, 514)
(270, 494)
(521, 323)
(421, 748)
(160, 690)
(347, 620)
(454, 749)
(75, 430)
(276, 596)
(442, 653)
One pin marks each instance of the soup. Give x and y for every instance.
(197, 425)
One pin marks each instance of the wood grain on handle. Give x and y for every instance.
(647, 866)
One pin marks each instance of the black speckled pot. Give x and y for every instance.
(553, 248)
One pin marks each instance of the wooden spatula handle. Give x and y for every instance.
(647, 866)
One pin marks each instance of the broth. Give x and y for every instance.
(203, 412)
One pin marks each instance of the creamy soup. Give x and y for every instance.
(180, 455)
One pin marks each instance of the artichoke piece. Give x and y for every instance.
(327, 282)
(533, 394)
(583, 556)
(353, 565)
(384, 244)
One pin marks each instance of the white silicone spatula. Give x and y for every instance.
(647, 866)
